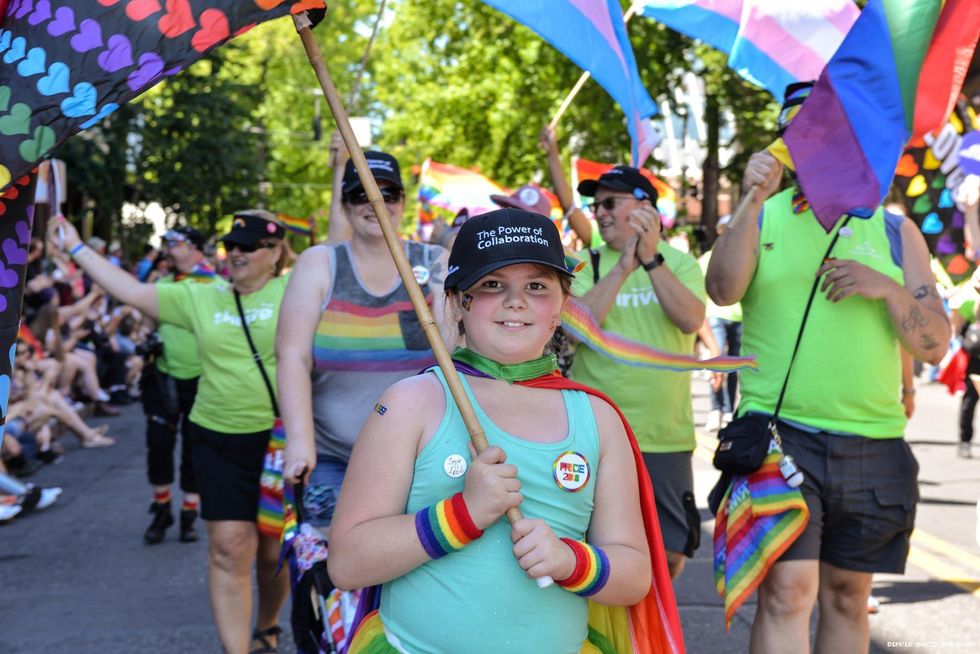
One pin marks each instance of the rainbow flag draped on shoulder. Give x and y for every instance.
(760, 516)
(895, 77)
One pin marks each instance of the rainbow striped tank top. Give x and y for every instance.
(364, 344)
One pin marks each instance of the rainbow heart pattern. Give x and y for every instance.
(928, 174)
(66, 65)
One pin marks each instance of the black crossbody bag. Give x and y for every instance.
(744, 443)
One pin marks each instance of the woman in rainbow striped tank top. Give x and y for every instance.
(348, 333)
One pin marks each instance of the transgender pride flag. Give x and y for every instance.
(592, 33)
(771, 43)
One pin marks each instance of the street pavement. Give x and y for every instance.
(77, 578)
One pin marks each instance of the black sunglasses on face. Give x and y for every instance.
(250, 248)
(612, 202)
(390, 196)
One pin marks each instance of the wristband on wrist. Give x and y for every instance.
(446, 527)
(591, 569)
(75, 250)
(908, 391)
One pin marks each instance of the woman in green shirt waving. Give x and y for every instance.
(233, 413)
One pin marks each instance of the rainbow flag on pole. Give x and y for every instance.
(583, 169)
(297, 225)
(444, 189)
(771, 43)
(893, 78)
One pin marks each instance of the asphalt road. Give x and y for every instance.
(77, 578)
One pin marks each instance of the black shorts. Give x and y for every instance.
(227, 468)
(861, 493)
(673, 491)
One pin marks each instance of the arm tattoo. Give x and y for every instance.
(924, 291)
(913, 320)
(928, 342)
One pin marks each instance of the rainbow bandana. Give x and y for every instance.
(578, 322)
(759, 518)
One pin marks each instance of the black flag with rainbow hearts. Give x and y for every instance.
(67, 64)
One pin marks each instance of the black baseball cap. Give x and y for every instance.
(502, 238)
(383, 166)
(186, 235)
(621, 178)
(251, 226)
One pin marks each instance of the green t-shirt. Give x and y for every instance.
(657, 403)
(180, 357)
(847, 373)
(231, 396)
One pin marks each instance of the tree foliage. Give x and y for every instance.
(454, 80)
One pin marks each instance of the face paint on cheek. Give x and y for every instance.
(466, 302)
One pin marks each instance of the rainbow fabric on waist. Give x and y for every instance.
(352, 337)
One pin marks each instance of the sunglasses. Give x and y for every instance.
(390, 196)
(610, 203)
(250, 248)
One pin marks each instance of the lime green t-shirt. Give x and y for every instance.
(733, 312)
(231, 396)
(657, 403)
(180, 357)
(847, 373)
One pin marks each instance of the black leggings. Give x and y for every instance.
(163, 417)
(968, 406)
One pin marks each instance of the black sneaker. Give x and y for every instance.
(188, 533)
(162, 518)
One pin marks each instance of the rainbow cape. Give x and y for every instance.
(895, 77)
(652, 626)
(579, 323)
(297, 225)
(760, 516)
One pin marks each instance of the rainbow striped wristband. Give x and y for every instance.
(75, 250)
(591, 569)
(446, 527)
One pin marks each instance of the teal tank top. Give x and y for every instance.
(478, 600)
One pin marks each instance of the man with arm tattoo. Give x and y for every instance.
(842, 418)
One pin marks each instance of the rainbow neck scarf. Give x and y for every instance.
(480, 366)
(760, 516)
(577, 321)
(202, 273)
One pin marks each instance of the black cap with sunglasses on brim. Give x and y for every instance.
(621, 178)
(250, 227)
(383, 166)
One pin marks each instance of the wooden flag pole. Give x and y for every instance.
(426, 320)
(582, 80)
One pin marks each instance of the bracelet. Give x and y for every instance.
(75, 250)
(908, 391)
(591, 569)
(446, 527)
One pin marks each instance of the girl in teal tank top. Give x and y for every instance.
(421, 514)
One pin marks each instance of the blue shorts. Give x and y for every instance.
(322, 490)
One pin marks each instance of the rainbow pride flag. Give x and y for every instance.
(759, 518)
(894, 77)
(297, 225)
(445, 189)
(583, 169)
(271, 515)
(580, 324)
(771, 43)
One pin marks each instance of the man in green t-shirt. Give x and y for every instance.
(841, 418)
(169, 389)
(644, 290)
